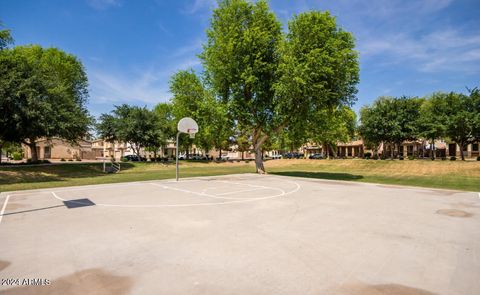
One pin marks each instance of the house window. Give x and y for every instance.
(475, 147)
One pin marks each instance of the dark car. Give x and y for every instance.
(294, 155)
(316, 156)
(134, 158)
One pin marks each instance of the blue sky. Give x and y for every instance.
(131, 48)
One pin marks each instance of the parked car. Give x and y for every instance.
(316, 156)
(276, 157)
(294, 155)
(198, 157)
(134, 158)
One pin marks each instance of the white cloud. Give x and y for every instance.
(440, 50)
(197, 5)
(141, 85)
(115, 88)
(103, 4)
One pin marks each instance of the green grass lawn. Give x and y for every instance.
(436, 174)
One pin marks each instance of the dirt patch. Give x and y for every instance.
(454, 213)
(390, 289)
(90, 281)
(4, 264)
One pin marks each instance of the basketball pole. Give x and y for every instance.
(185, 125)
(176, 156)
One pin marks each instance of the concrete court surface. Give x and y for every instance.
(240, 234)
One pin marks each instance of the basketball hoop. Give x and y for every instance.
(185, 125)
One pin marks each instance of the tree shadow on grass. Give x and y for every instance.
(320, 175)
(57, 172)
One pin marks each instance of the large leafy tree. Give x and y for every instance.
(166, 123)
(462, 118)
(270, 84)
(192, 99)
(5, 40)
(137, 126)
(216, 127)
(43, 93)
(241, 59)
(337, 125)
(390, 120)
(432, 119)
(371, 128)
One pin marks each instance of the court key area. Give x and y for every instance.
(240, 234)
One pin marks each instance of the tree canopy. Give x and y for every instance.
(43, 94)
(269, 82)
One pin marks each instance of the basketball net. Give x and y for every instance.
(191, 132)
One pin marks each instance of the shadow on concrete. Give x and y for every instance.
(32, 210)
(320, 175)
(70, 204)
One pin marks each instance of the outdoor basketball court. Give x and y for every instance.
(240, 234)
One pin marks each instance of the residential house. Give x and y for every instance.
(57, 148)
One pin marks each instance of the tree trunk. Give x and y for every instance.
(1, 146)
(461, 150)
(33, 149)
(243, 155)
(155, 155)
(259, 160)
(220, 153)
(431, 149)
(391, 150)
(257, 145)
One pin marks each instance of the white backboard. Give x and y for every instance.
(187, 125)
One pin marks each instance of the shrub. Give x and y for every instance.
(367, 155)
(478, 158)
(45, 161)
(411, 157)
(400, 158)
(70, 160)
(453, 158)
(123, 159)
(78, 159)
(375, 157)
(17, 156)
(444, 158)
(62, 159)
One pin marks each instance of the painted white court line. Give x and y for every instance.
(197, 193)
(68, 189)
(242, 191)
(283, 193)
(4, 207)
